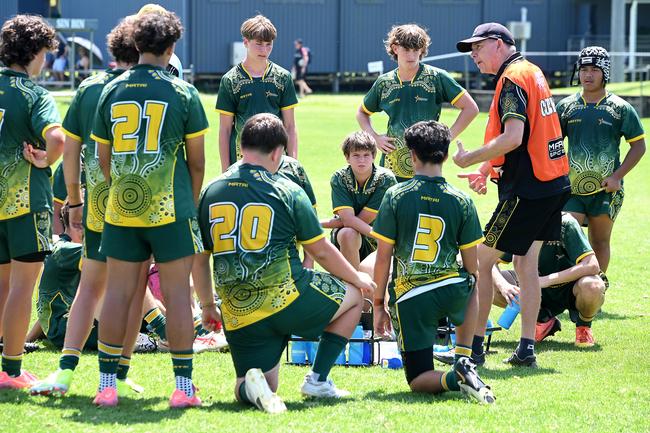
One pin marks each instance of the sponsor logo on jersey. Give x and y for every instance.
(556, 148)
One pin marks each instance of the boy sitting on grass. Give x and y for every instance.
(357, 191)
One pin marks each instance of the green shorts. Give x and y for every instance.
(415, 319)
(166, 243)
(92, 242)
(56, 333)
(24, 235)
(260, 345)
(601, 203)
(368, 244)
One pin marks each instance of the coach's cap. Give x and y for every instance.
(486, 31)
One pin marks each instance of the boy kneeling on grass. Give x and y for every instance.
(422, 224)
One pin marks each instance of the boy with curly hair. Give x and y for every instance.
(411, 93)
(86, 212)
(28, 114)
(150, 129)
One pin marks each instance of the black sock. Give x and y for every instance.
(477, 344)
(526, 348)
(242, 393)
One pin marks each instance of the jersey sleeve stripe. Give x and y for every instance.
(375, 211)
(338, 208)
(197, 133)
(514, 116)
(376, 235)
(48, 127)
(71, 135)
(99, 139)
(58, 200)
(312, 240)
(224, 112)
(471, 244)
(460, 95)
(582, 256)
(637, 138)
(288, 107)
(368, 112)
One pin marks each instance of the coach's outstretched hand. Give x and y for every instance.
(477, 181)
(460, 157)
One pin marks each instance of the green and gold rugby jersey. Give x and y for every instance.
(78, 124)
(57, 286)
(293, 170)
(250, 221)
(427, 221)
(242, 96)
(406, 103)
(27, 111)
(347, 193)
(145, 115)
(59, 190)
(556, 256)
(594, 132)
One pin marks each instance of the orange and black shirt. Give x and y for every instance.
(539, 167)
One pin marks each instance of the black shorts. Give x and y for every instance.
(299, 74)
(518, 222)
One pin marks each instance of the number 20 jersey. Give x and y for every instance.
(250, 221)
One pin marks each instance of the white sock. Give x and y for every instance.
(185, 384)
(107, 380)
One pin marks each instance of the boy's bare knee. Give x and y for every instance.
(348, 236)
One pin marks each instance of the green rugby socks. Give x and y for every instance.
(329, 349)
(156, 322)
(69, 358)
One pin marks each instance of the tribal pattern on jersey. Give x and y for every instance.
(250, 220)
(594, 133)
(407, 103)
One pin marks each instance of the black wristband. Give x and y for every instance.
(72, 206)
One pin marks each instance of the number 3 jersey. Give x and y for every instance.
(145, 115)
(427, 221)
(250, 221)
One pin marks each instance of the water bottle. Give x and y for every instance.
(509, 314)
(392, 363)
(356, 349)
(298, 352)
(367, 348)
(452, 336)
(488, 326)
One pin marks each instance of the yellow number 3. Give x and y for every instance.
(426, 245)
(127, 121)
(255, 222)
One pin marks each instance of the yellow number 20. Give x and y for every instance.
(127, 121)
(426, 245)
(250, 227)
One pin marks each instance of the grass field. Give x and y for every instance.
(603, 389)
